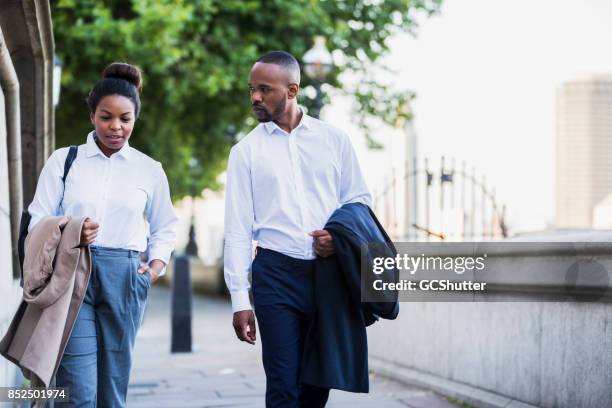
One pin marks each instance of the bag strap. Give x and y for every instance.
(26, 217)
(23, 233)
(72, 154)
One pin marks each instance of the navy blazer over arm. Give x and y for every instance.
(336, 350)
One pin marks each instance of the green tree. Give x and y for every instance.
(196, 55)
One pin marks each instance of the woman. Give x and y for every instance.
(113, 185)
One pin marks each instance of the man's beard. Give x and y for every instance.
(278, 111)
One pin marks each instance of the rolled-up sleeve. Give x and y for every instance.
(162, 221)
(239, 218)
(353, 187)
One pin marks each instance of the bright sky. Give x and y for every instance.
(485, 73)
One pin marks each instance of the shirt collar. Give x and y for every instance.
(304, 123)
(93, 149)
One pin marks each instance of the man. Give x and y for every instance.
(284, 180)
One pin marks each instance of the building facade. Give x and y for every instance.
(584, 149)
(26, 136)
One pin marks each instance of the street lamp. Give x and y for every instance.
(57, 79)
(318, 64)
(192, 246)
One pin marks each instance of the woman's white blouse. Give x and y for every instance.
(117, 192)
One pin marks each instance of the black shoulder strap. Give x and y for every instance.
(26, 217)
(72, 154)
(23, 233)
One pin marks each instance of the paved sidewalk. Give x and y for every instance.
(223, 372)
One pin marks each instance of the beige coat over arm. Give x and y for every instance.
(56, 273)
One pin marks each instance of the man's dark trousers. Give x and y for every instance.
(283, 294)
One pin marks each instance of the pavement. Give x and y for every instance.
(224, 372)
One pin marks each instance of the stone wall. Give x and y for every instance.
(493, 354)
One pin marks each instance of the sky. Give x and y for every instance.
(485, 73)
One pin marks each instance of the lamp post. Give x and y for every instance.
(318, 64)
(192, 246)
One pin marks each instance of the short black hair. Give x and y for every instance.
(118, 78)
(285, 60)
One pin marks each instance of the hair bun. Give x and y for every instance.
(122, 70)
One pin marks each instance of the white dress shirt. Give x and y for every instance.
(281, 186)
(117, 192)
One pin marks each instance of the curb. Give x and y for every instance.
(476, 397)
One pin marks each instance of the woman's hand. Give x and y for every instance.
(89, 232)
(154, 267)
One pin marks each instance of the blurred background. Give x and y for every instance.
(473, 120)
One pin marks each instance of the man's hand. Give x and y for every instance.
(154, 267)
(323, 243)
(244, 326)
(89, 232)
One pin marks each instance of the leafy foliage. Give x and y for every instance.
(196, 56)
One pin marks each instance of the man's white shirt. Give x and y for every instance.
(117, 192)
(281, 186)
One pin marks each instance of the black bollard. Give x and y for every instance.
(181, 305)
